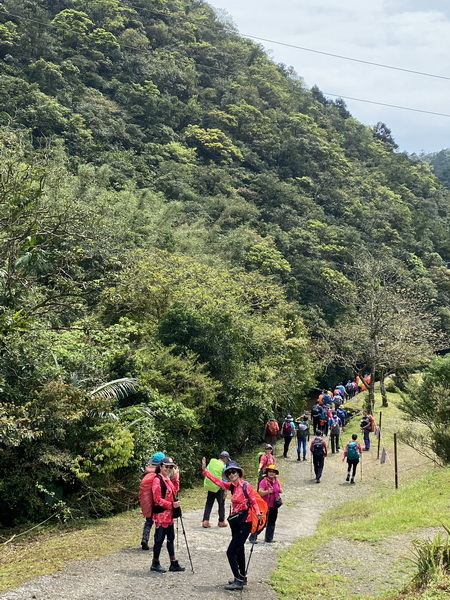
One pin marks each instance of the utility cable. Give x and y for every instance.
(224, 71)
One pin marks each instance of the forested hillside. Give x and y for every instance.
(178, 209)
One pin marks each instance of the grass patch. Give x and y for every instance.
(367, 540)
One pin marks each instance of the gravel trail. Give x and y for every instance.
(126, 575)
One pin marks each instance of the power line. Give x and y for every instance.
(222, 70)
(358, 60)
(428, 112)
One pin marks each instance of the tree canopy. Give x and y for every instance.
(178, 209)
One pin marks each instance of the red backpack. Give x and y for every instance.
(145, 494)
(287, 429)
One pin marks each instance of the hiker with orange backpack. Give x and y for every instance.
(244, 502)
(271, 430)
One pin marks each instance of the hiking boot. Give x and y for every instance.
(298, 459)
(253, 539)
(145, 546)
(175, 566)
(347, 478)
(318, 480)
(304, 458)
(236, 584)
(352, 481)
(157, 568)
(244, 580)
(222, 524)
(206, 524)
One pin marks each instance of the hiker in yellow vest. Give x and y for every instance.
(216, 467)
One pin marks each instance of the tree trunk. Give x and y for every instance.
(384, 399)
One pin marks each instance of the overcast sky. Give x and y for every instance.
(410, 34)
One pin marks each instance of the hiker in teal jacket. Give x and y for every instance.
(216, 467)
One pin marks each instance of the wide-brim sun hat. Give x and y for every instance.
(233, 465)
(271, 468)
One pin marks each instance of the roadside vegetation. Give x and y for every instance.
(365, 548)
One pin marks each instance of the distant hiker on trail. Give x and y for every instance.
(165, 490)
(334, 425)
(319, 451)
(302, 436)
(287, 431)
(351, 388)
(352, 453)
(242, 498)
(216, 467)
(327, 398)
(338, 401)
(367, 426)
(323, 423)
(146, 498)
(342, 414)
(317, 413)
(271, 431)
(265, 459)
(270, 489)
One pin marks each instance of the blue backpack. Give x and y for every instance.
(352, 450)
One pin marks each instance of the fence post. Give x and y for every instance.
(379, 436)
(395, 461)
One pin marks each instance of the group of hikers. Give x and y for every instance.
(252, 510)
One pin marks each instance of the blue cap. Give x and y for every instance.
(157, 458)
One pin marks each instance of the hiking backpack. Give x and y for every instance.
(335, 428)
(352, 450)
(326, 399)
(272, 428)
(302, 431)
(257, 524)
(145, 494)
(317, 447)
(316, 411)
(287, 428)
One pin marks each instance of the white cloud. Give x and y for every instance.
(402, 33)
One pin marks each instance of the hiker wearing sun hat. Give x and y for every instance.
(242, 498)
(270, 490)
(145, 496)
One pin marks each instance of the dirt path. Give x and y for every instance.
(125, 575)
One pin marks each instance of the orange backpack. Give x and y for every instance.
(257, 524)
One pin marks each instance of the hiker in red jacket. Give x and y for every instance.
(242, 498)
(145, 496)
(164, 491)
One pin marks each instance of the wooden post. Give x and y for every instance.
(379, 436)
(395, 461)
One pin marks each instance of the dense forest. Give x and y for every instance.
(182, 217)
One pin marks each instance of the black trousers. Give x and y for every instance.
(147, 528)
(287, 442)
(236, 550)
(334, 439)
(352, 462)
(318, 462)
(210, 498)
(160, 534)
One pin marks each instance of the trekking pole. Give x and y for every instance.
(177, 536)
(361, 466)
(187, 545)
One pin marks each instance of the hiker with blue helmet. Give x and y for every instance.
(145, 496)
